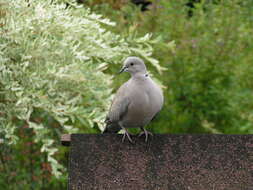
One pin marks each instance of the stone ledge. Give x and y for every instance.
(166, 162)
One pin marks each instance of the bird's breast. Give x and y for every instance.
(146, 102)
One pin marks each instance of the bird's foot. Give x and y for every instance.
(146, 133)
(126, 133)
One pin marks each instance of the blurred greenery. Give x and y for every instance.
(58, 66)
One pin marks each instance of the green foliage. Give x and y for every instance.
(52, 59)
(205, 92)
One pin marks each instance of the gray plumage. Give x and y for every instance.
(136, 102)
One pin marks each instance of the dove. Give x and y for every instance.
(136, 102)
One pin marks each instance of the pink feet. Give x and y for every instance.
(146, 133)
(126, 133)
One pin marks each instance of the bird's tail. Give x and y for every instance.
(112, 128)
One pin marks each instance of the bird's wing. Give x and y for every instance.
(120, 104)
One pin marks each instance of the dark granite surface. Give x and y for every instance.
(166, 162)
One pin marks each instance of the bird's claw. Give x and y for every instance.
(146, 133)
(128, 136)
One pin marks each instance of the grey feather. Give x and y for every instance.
(119, 105)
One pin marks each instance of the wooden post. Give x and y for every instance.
(66, 139)
(165, 162)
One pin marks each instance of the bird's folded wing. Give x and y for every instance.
(118, 109)
(120, 104)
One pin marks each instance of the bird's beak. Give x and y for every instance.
(123, 69)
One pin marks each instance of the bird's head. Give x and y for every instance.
(134, 65)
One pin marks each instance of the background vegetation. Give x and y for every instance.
(58, 61)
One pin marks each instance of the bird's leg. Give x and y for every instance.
(146, 133)
(126, 134)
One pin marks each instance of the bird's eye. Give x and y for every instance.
(131, 64)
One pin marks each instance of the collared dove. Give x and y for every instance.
(136, 102)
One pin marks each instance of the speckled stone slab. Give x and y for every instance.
(166, 162)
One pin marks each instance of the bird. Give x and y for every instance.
(136, 102)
